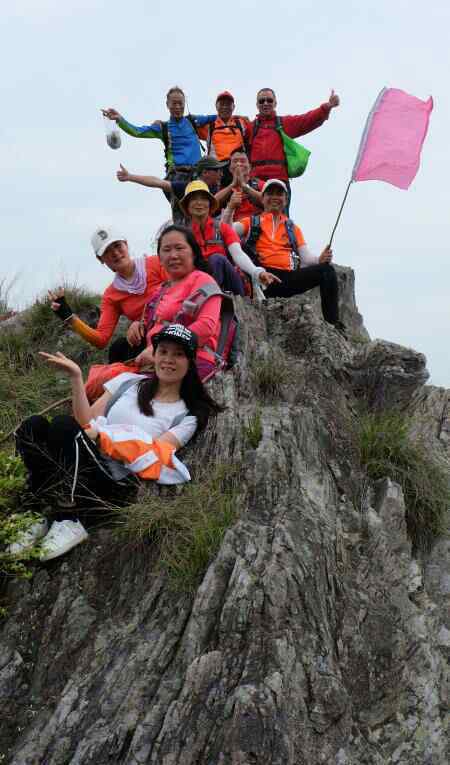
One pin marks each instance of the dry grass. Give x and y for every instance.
(186, 528)
(386, 450)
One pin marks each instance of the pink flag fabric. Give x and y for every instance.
(392, 140)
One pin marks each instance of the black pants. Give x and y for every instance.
(303, 279)
(53, 461)
(226, 275)
(121, 350)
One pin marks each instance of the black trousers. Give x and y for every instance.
(226, 275)
(121, 350)
(54, 460)
(303, 279)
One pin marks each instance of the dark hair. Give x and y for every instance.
(239, 150)
(175, 89)
(261, 90)
(194, 394)
(200, 263)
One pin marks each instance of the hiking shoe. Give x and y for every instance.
(27, 538)
(63, 535)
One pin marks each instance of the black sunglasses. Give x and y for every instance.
(265, 100)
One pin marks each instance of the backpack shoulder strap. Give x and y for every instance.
(255, 231)
(178, 419)
(119, 392)
(289, 224)
(196, 300)
(191, 119)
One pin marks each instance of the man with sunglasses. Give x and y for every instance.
(264, 144)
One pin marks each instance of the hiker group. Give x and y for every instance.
(230, 235)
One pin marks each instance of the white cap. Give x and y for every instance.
(103, 237)
(274, 182)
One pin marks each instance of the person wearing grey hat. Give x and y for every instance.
(278, 244)
(207, 169)
(135, 279)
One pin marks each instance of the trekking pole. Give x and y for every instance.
(340, 211)
(48, 408)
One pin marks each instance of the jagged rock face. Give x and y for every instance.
(314, 636)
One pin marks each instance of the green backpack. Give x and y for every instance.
(296, 155)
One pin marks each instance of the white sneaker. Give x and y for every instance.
(27, 538)
(63, 535)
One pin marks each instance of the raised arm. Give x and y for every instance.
(100, 336)
(83, 411)
(297, 125)
(151, 181)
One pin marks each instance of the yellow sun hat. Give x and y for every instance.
(191, 188)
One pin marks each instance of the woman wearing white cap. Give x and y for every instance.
(135, 279)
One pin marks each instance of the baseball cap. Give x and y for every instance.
(178, 333)
(103, 237)
(274, 182)
(225, 94)
(209, 163)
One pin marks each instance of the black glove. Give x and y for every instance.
(64, 311)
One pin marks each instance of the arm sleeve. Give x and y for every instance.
(295, 126)
(242, 261)
(109, 316)
(203, 119)
(185, 430)
(145, 131)
(242, 227)
(207, 320)
(306, 257)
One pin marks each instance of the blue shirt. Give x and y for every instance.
(183, 146)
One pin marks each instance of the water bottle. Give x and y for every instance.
(112, 133)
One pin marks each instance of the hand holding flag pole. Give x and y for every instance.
(391, 142)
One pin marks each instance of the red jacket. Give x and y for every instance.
(265, 148)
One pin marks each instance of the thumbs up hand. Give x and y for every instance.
(123, 174)
(333, 100)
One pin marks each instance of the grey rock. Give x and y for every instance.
(314, 637)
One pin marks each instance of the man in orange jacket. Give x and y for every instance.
(278, 246)
(226, 134)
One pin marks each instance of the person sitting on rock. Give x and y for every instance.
(131, 432)
(207, 169)
(243, 194)
(217, 240)
(279, 246)
(179, 135)
(127, 295)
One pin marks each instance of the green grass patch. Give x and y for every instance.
(386, 450)
(269, 373)
(187, 528)
(253, 430)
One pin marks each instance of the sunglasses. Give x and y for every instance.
(265, 100)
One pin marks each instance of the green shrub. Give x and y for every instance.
(186, 528)
(253, 430)
(386, 450)
(12, 481)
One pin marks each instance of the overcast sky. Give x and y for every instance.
(62, 61)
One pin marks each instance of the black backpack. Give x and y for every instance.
(255, 233)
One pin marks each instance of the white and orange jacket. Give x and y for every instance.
(148, 458)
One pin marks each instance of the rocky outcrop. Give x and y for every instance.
(314, 636)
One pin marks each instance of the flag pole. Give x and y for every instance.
(340, 212)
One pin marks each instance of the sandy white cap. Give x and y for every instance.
(103, 237)
(274, 182)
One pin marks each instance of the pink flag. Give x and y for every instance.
(392, 140)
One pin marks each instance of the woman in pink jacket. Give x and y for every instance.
(181, 258)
